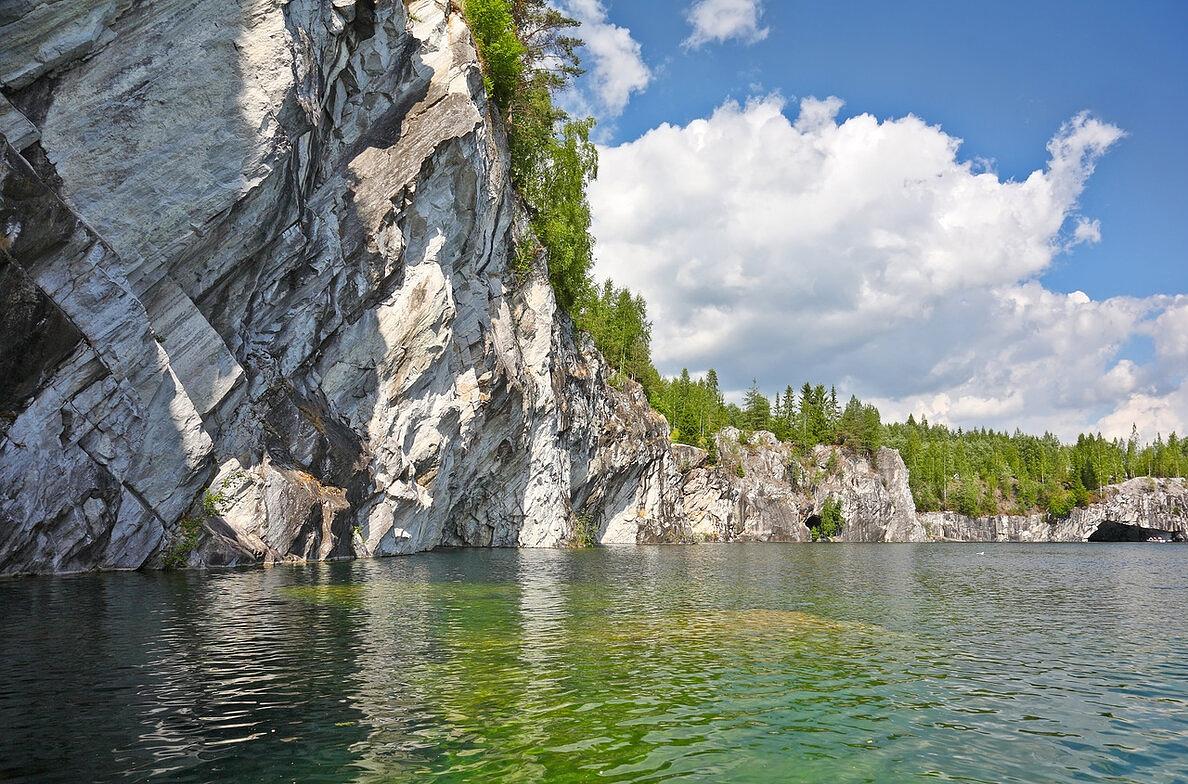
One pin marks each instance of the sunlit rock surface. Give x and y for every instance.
(255, 275)
(1160, 506)
(256, 305)
(760, 491)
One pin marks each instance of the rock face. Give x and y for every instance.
(256, 305)
(760, 491)
(1135, 510)
(254, 282)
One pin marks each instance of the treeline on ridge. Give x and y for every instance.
(975, 472)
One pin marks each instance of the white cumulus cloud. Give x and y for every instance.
(721, 20)
(614, 61)
(868, 253)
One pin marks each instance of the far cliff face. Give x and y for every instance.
(257, 302)
(1131, 511)
(759, 491)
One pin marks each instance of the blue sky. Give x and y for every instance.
(1003, 77)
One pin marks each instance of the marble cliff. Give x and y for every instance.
(256, 305)
(255, 275)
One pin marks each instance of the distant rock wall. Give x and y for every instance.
(1160, 505)
(759, 491)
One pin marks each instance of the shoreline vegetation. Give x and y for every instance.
(527, 55)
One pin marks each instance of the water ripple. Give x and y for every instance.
(733, 663)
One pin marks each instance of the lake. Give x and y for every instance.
(716, 663)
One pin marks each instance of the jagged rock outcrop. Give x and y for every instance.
(760, 491)
(255, 275)
(1135, 510)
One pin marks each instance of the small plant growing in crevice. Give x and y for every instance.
(830, 522)
(739, 471)
(793, 473)
(191, 528)
(212, 503)
(179, 552)
(831, 465)
(585, 531)
(527, 249)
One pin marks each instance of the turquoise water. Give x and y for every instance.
(748, 663)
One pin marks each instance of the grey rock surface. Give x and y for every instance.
(761, 491)
(1157, 504)
(255, 267)
(255, 284)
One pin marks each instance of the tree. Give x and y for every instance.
(618, 322)
(756, 409)
(711, 382)
(549, 53)
(831, 521)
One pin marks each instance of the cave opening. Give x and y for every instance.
(1113, 531)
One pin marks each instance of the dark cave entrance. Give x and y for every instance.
(1111, 531)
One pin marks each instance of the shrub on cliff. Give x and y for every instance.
(831, 521)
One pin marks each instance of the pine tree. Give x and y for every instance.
(756, 408)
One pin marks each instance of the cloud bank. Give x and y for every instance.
(866, 252)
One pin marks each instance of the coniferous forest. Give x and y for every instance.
(975, 472)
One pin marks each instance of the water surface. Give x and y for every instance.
(747, 663)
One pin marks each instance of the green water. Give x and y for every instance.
(747, 663)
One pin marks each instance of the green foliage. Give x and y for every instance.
(179, 552)
(526, 56)
(191, 529)
(618, 322)
(694, 408)
(859, 427)
(585, 531)
(979, 472)
(831, 521)
(999, 473)
(552, 177)
(499, 46)
(739, 471)
(756, 409)
(527, 248)
(832, 465)
(211, 503)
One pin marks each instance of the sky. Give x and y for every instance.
(972, 212)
